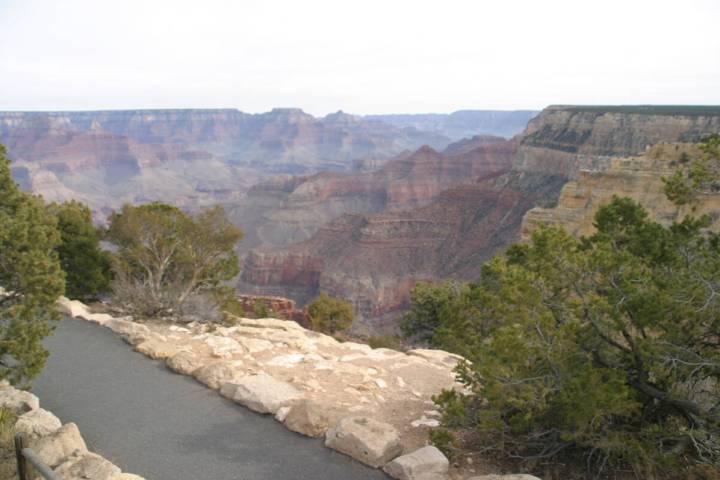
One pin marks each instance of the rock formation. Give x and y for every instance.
(288, 210)
(638, 177)
(374, 259)
(186, 157)
(464, 123)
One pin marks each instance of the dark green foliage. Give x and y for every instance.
(386, 341)
(330, 315)
(168, 260)
(698, 177)
(30, 276)
(605, 350)
(88, 269)
(444, 440)
(260, 309)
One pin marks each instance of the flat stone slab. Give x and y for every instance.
(369, 441)
(263, 393)
(427, 463)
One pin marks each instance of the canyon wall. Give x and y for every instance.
(287, 210)
(464, 123)
(373, 259)
(186, 157)
(637, 177)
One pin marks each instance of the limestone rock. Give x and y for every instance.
(156, 348)
(127, 476)
(90, 466)
(56, 447)
(308, 418)
(264, 394)
(369, 441)
(254, 345)
(18, 401)
(427, 463)
(223, 347)
(215, 374)
(281, 414)
(184, 363)
(37, 423)
(126, 327)
(71, 308)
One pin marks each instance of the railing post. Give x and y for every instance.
(21, 462)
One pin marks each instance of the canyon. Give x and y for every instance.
(361, 207)
(374, 258)
(196, 157)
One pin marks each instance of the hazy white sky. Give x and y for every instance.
(363, 56)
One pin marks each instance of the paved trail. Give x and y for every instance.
(165, 426)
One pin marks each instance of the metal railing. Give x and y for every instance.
(24, 455)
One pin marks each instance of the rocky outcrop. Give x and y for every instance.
(638, 177)
(568, 139)
(286, 211)
(374, 259)
(60, 447)
(186, 157)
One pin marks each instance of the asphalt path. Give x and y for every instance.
(164, 426)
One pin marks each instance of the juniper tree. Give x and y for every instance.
(30, 277)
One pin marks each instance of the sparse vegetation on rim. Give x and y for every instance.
(601, 351)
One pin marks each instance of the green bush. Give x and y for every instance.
(386, 341)
(30, 276)
(603, 347)
(330, 315)
(444, 440)
(168, 261)
(88, 269)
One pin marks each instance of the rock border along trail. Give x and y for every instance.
(60, 447)
(371, 404)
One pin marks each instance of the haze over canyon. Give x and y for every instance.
(359, 207)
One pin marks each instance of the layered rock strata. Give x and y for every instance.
(638, 177)
(185, 157)
(374, 259)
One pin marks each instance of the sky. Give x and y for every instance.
(363, 56)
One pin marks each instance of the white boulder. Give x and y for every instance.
(215, 374)
(156, 348)
(37, 423)
(18, 401)
(184, 363)
(427, 463)
(264, 394)
(369, 441)
(87, 466)
(126, 327)
(53, 449)
(308, 418)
